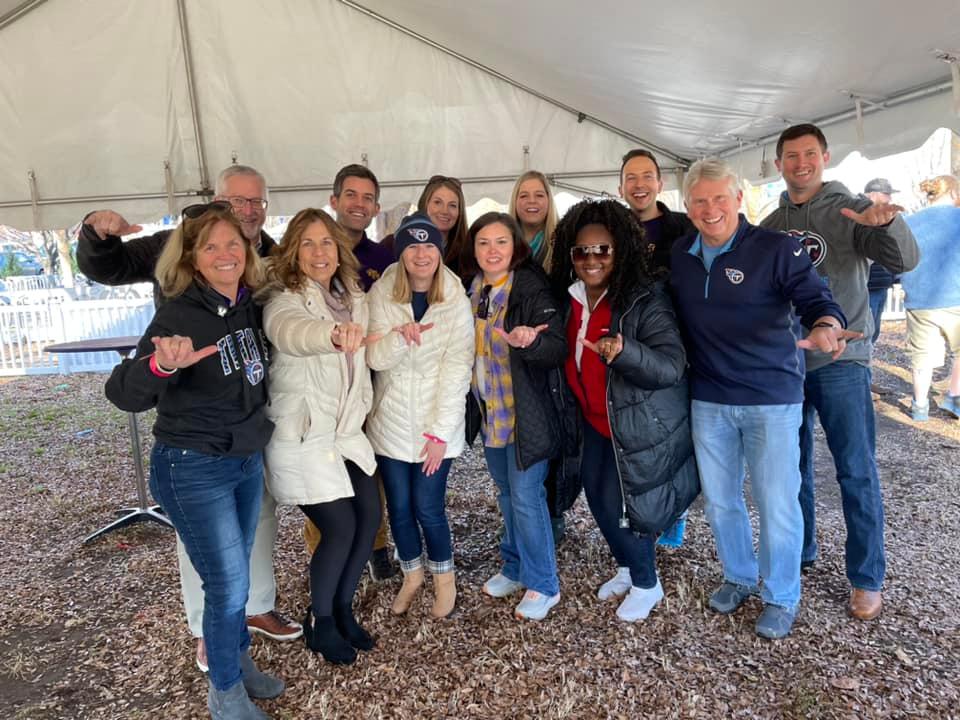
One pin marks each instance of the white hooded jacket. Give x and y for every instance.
(319, 422)
(419, 389)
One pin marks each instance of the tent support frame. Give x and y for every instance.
(192, 91)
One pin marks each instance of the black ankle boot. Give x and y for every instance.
(350, 629)
(321, 635)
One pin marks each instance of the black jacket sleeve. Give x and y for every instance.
(653, 356)
(550, 347)
(133, 386)
(114, 262)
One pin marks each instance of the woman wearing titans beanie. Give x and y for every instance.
(423, 363)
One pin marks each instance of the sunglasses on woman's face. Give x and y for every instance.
(483, 307)
(443, 178)
(192, 212)
(580, 252)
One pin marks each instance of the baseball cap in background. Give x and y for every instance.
(880, 185)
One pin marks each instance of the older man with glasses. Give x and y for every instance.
(105, 258)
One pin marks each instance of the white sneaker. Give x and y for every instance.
(500, 586)
(639, 602)
(616, 586)
(535, 606)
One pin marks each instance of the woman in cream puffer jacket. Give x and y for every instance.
(422, 363)
(320, 392)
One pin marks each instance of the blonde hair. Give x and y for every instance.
(403, 292)
(549, 225)
(711, 168)
(935, 188)
(177, 266)
(284, 267)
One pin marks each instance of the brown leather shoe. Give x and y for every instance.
(275, 626)
(865, 604)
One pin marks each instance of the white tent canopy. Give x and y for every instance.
(137, 104)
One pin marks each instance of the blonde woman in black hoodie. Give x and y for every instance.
(202, 364)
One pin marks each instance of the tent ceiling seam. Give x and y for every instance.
(580, 115)
(19, 11)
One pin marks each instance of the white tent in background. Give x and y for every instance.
(136, 104)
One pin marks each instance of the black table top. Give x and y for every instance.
(123, 344)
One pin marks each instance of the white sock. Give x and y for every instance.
(616, 586)
(639, 602)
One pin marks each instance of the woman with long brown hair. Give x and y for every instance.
(320, 392)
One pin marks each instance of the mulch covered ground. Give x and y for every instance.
(97, 631)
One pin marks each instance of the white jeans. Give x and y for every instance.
(263, 586)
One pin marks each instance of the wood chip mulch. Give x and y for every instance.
(97, 631)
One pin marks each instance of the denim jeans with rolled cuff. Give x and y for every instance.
(415, 503)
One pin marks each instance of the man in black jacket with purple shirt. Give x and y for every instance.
(640, 183)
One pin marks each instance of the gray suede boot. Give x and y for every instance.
(258, 684)
(232, 704)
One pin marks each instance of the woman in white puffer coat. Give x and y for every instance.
(423, 361)
(320, 392)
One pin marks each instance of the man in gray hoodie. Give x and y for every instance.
(842, 233)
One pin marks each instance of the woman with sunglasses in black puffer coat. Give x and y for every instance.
(626, 368)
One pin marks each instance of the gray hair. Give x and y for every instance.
(709, 169)
(232, 170)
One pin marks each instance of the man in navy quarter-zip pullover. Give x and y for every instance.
(735, 286)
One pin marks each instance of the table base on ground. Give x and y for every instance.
(131, 516)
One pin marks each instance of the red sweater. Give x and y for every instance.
(589, 384)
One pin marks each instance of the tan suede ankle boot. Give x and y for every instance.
(412, 581)
(444, 594)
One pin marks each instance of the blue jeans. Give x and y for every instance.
(601, 485)
(213, 502)
(416, 502)
(840, 394)
(724, 436)
(878, 298)
(527, 546)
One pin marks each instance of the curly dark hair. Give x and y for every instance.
(630, 264)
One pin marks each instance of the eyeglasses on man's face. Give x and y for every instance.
(239, 202)
(581, 252)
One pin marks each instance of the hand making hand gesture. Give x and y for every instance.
(521, 336)
(108, 222)
(176, 351)
(606, 347)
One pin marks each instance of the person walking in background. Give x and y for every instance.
(519, 340)
(422, 363)
(880, 280)
(626, 368)
(320, 393)
(932, 295)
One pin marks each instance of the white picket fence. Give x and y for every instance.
(35, 321)
(26, 328)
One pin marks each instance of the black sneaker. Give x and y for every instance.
(380, 565)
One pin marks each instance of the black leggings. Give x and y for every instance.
(347, 529)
